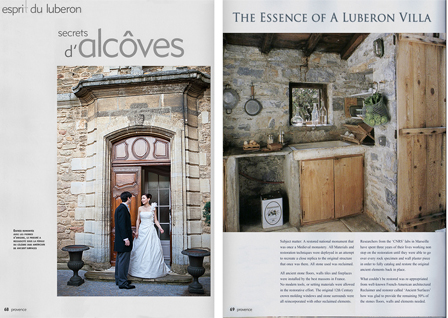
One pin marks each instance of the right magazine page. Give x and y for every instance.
(334, 148)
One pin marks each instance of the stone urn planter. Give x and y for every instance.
(75, 263)
(196, 257)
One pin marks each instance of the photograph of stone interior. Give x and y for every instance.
(142, 129)
(334, 132)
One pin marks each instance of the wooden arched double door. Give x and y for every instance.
(140, 165)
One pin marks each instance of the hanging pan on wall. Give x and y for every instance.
(230, 99)
(252, 106)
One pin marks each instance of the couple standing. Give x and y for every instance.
(143, 257)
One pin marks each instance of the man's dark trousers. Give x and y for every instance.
(122, 267)
(123, 230)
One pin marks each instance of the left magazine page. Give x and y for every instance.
(106, 158)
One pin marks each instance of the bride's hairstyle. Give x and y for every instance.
(147, 195)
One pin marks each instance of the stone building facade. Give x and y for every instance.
(100, 107)
(271, 74)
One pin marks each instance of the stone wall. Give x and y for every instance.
(205, 159)
(69, 76)
(81, 150)
(381, 166)
(269, 178)
(271, 74)
(71, 147)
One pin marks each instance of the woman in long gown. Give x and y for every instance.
(147, 254)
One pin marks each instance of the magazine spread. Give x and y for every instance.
(107, 158)
(318, 190)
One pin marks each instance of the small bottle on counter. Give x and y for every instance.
(281, 137)
(315, 115)
(323, 115)
(270, 139)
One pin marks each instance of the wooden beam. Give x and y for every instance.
(355, 41)
(266, 44)
(422, 131)
(313, 40)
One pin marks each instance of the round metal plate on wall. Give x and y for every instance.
(252, 106)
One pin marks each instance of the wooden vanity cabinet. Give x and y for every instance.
(331, 188)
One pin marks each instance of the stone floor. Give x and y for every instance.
(258, 228)
(353, 223)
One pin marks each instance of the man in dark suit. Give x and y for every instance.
(123, 241)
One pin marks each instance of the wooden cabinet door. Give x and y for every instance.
(421, 120)
(348, 186)
(124, 179)
(317, 190)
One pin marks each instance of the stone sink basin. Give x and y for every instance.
(321, 144)
(325, 149)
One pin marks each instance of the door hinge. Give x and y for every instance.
(395, 134)
(303, 216)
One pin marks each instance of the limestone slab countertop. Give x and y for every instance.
(240, 153)
(304, 151)
(325, 149)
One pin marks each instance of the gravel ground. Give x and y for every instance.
(106, 288)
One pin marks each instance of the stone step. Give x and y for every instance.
(168, 279)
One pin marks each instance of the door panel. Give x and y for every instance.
(317, 190)
(421, 81)
(124, 179)
(157, 183)
(349, 186)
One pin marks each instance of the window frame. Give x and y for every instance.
(324, 98)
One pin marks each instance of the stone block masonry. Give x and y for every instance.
(271, 74)
(71, 147)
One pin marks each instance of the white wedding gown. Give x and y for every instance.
(147, 254)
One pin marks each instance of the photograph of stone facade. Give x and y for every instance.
(142, 129)
(307, 161)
